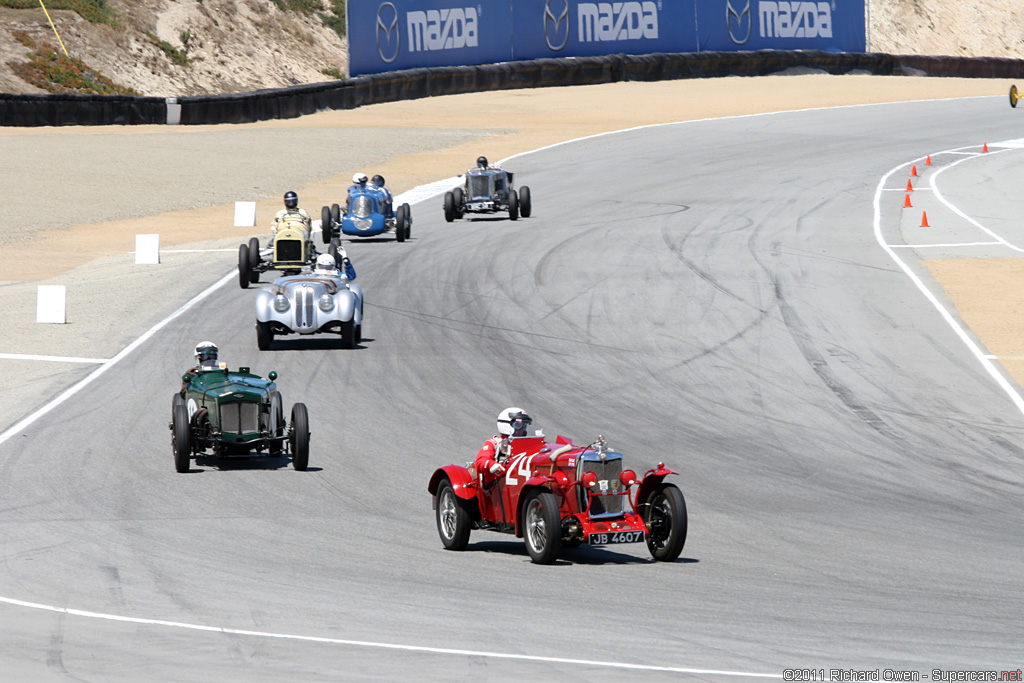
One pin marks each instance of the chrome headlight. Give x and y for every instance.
(363, 223)
(326, 303)
(281, 303)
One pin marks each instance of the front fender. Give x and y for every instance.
(462, 483)
(650, 482)
(531, 485)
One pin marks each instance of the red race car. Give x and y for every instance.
(561, 494)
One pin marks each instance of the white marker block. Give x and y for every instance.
(245, 214)
(50, 304)
(147, 249)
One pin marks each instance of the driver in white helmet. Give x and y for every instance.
(491, 458)
(326, 264)
(291, 210)
(206, 359)
(358, 185)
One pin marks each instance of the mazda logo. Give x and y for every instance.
(735, 20)
(388, 34)
(556, 24)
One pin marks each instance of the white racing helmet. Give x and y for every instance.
(206, 351)
(326, 262)
(513, 422)
(359, 178)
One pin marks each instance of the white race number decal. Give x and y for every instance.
(519, 464)
(192, 408)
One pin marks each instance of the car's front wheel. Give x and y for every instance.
(407, 226)
(460, 199)
(325, 224)
(400, 224)
(453, 519)
(542, 527)
(348, 334)
(243, 266)
(181, 437)
(525, 206)
(300, 437)
(513, 205)
(254, 259)
(275, 422)
(264, 336)
(666, 522)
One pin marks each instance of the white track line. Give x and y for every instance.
(387, 646)
(933, 246)
(113, 361)
(983, 358)
(56, 359)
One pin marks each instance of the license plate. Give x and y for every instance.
(616, 537)
(480, 205)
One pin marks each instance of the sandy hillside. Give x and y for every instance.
(242, 45)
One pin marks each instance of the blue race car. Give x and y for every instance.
(369, 213)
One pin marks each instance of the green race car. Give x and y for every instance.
(235, 413)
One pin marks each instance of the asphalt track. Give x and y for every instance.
(713, 295)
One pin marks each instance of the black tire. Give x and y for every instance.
(665, 516)
(449, 206)
(453, 519)
(300, 437)
(359, 327)
(176, 400)
(336, 213)
(333, 251)
(254, 254)
(513, 205)
(277, 423)
(542, 527)
(348, 334)
(243, 266)
(264, 336)
(325, 224)
(1013, 96)
(525, 207)
(181, 438)
(408, 221)
(460, 199)
(400, 224)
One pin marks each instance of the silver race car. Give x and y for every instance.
(321, 301)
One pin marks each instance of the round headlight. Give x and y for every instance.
(326, 303)
(589, 479)
(281, 303)
(628, 477)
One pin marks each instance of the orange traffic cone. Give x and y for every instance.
(928, 160)
(910, 188)
(906, 202)
(924, 220)
(984, 147)
(913, 171)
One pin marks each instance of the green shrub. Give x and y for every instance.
(53, 72)
(173, 53)
(96, 11)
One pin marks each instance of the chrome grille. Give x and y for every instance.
(239, 418)
(304, 297)
(288, 250)
(362, 207)
(479, 186)
(608, 470)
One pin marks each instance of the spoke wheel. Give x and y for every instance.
(542, 527)
(453, 520)
(666, 523)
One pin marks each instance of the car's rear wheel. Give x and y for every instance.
(181, 437)
(542, 527)
(254, 256)
(449, 206)
(407, 226)
(525, 207)
(513, 205)
(359, 327)
(400, 224)
(243, 266)
(325, 224)
(264, 336)
(459, 198)
(666, 522)
(453, 519)
(276, 422)
(300, 437)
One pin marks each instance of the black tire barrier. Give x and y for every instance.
(283, 103)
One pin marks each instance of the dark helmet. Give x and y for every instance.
(377, 180)
(481, 162)
(291, 200)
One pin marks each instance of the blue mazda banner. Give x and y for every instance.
(405, 34)
(402, 34)
(573, 28)
(834, 26)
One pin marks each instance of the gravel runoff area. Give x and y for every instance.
(75, 197)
